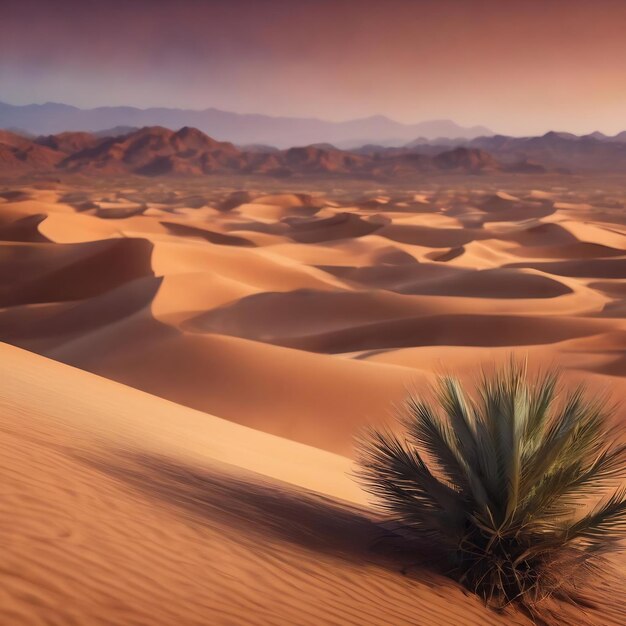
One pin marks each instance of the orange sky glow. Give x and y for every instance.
(518, 67)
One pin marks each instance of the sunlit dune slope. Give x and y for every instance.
(309, 313)
(122, 508)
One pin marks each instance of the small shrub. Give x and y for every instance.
(501, 482)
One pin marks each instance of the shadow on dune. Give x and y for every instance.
(46, 327)
(14, 195)
(24, 229)
(587, 268)
(450, 329)
(184, 230)
(244, 506)
(51, 272)
(282, 512)
(431, 279)
(339, 226)
(516, 213)
(432, 237)
(368, 353)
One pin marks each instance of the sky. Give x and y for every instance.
(517, 66)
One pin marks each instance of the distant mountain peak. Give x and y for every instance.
(378, 117)
(596, 134)
(553, 134)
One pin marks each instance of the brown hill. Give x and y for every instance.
(70, 143)
(559, 150)
(14, 140)
(20, 154)
(469, 159)
(155, 150)
(323, 159)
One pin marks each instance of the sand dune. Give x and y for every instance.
(25, 229)
(132, 509)
(185, 308)
(209, 235)
(269, 325)
(589, 268)
(205, 372)
(42, 272)
(420, 279)
(458, 330)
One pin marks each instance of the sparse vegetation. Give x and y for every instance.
(509, 483)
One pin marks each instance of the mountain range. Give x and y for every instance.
(554, 151)
(282, 132)
(155, 150)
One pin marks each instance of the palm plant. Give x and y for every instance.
(501, 482)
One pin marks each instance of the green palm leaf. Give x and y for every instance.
(496, 479)
(598, 530)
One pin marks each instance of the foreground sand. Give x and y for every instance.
(295, 319)
(122, 508)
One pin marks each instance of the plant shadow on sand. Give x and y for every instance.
(212, 495)
(278, 510)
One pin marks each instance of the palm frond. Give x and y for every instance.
(429, 431)
(504, 414)
(397, 474)
(573, 432)
(601, 528)
(542, 397)
(559, 494)
(497, 479)
(459, 411)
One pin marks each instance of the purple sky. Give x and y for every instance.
(516, 66)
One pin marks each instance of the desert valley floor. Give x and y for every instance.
(186, 363)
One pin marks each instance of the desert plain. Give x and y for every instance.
(186, 363)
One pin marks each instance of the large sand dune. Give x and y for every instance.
(122, 508)
(251, 334)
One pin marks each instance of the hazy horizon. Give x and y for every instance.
(519, 68)
(210, 106)
(244, 112)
